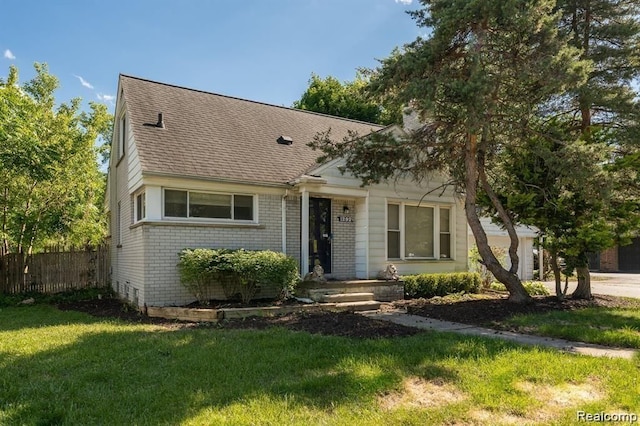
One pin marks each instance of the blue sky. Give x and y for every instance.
(263, 50)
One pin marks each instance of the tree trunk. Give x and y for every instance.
(517, 292)
(505, 218)
(583, 291)
(556, 275)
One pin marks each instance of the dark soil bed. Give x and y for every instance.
(490, 311)
(346, 324)
(485, 310)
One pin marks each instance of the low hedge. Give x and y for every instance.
(532, 287)
(241, 273)
(430, 285)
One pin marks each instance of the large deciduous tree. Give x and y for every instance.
(476, 83)
(348, 99)
(51, 189)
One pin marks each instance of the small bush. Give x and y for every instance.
(239, 272)
(196, 274)
(532, 287)
(430, 285)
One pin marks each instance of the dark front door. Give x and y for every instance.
(320, 233)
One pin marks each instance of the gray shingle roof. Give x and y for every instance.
(212, 136)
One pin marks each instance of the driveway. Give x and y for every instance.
(611, 284)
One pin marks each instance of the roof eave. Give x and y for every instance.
(217, 179)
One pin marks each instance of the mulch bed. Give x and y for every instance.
(491, 311)
(488, 311)
(347, 324)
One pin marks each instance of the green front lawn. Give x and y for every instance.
(68, 368)
(605, 326)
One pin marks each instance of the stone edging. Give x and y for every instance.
(215, 315)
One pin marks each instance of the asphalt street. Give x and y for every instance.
(611, 284)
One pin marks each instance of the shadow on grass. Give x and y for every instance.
(120, 374)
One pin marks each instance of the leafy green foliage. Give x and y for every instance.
(51, 190)
(533, 288)
(348, 100)
(430, 285)
(240, 272)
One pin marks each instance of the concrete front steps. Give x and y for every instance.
(365, 305)
(383, 291)
(351, 301)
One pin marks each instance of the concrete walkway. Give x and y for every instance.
(401, 317)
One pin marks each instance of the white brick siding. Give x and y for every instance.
(293, 227)
(343, 244)
(163, 242)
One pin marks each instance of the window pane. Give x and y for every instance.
(393, 244)
(139, 207)
(444, 220)
(418, 231)
(393, 217)
(445, 246)
(209, 205)
(243, 207)
(175, 203)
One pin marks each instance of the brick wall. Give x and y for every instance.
(293, 228)
(163, 242)
(343, 245)
(609, 260)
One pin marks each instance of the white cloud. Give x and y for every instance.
(405, 2)
(106, 98)
(9, 54)
(84, 82)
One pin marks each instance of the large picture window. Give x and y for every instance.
(192, 204)
(418, 232)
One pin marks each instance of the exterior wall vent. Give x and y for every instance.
(285, 140)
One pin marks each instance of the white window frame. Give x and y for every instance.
(436, 230)
(136, 206)
(119, 224)
(254, 198)
(122, 135)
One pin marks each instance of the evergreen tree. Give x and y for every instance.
(477, 83)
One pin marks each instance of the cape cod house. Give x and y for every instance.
(196, 169)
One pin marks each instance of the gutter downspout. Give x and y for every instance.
(284, 221)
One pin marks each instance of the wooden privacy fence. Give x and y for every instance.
(55, 271)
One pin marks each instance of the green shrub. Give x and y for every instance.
(532, 287)
(196, 274)
(430, 285)
(239, 272)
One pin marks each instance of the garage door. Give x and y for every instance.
(629, 257)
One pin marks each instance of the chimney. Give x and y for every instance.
(160, 122)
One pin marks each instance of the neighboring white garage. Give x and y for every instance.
(498, 237)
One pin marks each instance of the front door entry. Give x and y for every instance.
(320, 233)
